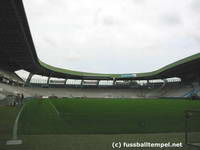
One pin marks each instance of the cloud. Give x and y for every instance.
(73, 56)
(171, 19)
(138, 1)
(114, 36)
(195, 6)
(50, 42)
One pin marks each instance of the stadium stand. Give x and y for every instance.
(142, 92)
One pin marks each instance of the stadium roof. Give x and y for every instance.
(18, 52)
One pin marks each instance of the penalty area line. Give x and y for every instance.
(54, 107)
(15, 140)
(15, 127)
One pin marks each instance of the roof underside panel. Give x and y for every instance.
(17, 52)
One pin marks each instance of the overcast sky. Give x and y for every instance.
(114, 36)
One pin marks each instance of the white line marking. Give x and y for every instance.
(54, 107)
(15, 127)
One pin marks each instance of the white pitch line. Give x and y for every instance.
(15, 127)
(54, 107)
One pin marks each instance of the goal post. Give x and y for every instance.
(192, 127)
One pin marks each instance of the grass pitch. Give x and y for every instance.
(104, 116)
(94, 142)
(93, 124)
(7, 118)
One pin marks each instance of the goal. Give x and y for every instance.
(192, 127)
